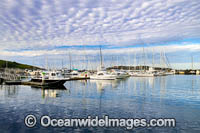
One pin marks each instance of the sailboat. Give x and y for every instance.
(143, 73)
(102, 74)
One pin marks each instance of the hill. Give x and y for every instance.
(10, 64)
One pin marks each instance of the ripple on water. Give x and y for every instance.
(169, 97)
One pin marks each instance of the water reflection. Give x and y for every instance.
(136, 97)
(52, 92)
(9, 91)
(102, 84)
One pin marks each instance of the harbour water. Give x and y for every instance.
(175, 96)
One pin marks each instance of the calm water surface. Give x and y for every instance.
(136, 97)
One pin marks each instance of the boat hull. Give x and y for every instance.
(122, 76)
(1, 80)
(144, 75)
(103, 77)
(45, 83)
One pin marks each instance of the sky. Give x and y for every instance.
(130, 32)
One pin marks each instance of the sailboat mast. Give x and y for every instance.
(192, 61)
(143, 55)
(153, 59)
(160, 59)
(135, 62)
(101, 57)
(70, 62)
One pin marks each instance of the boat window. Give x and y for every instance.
(100, 74)
(53, 74)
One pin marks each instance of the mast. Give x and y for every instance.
(101, 57)
(46, 63)
(62, 63)
(129, 61)
(192, 62)
(160, 59)
(86, 62)
(143, 56)
(135, 61)
(153, 58)
(70, 62)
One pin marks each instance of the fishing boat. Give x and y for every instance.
(49, 78)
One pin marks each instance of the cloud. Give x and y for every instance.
(106, 51)
(42, 25)
(25, 22)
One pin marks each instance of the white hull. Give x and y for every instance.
(122, 76)
(103, 77)
(144, 75)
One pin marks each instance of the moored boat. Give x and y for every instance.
(120, 74)
(49, 78)
(103, 75)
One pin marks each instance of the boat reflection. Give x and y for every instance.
(102, 84)
(9, 91)
(52, 92)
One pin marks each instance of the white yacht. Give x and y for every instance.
(103, 75)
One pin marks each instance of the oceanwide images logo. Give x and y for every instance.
(129, 123)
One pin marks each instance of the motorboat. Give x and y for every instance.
(49, 78)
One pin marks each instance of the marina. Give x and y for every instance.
(100, 66)
(173, 96)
